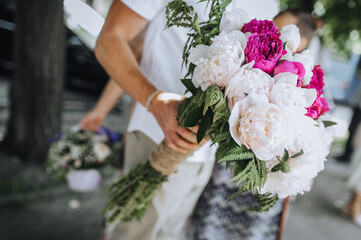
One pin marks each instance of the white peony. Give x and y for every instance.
(290, 34)
(302, 168)
(263, 127)
(307, 60)
(101, 150)
(306, 135)
(225, 39)
(198, 53)
(247, 81)
(288, 184)
(217, 64)
(286, 94)
(233, 20)
(235, 37)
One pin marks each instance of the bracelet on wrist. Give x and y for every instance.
(150, 98)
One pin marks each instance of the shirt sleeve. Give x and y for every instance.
(147, 9)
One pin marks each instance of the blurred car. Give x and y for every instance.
(82, 69)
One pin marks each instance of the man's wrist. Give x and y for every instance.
(101, 111)
(152, 101)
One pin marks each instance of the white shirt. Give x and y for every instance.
(162, 56)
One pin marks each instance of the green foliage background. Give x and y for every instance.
(342, 21)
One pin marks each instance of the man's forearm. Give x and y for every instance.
(115, 55)
(109, 97)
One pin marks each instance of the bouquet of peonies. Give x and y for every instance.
(255, 96)
(80, 149)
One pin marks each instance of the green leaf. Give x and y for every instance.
(263, 172)
(328, 123)
(183, 107)
(221, 137)
(276, 168)
(265, 202)
(285, 168)
(193, 117)
(242, 174)
(187, 82)
(285, 157)
(298, 154)
(223, 115)
(204, 126)
(239, 192)
(227, 165)
(237, 156)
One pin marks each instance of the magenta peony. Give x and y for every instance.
(317, 80)
(265, 49)
(260, 27)
(291, 67)
(319, 107)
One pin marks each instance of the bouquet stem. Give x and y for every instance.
(130, 196)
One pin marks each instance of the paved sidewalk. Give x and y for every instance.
(317, 215)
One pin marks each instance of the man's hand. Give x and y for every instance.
(164, 107)
(92, 121)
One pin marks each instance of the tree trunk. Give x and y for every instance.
(36, 90)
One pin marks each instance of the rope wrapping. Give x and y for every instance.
(165, 160)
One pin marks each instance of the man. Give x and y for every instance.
(156, 87)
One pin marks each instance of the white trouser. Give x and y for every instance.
(167, 214)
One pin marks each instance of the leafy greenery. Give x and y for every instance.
(180, 14)
(131, 195)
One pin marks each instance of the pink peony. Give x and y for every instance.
(265, 49)
(291, 67)
(260, 27)
(325, 108)
(317, 80)
(319, 107)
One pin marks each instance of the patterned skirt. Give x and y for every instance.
(214, 219)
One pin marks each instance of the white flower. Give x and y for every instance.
(288, 184)
(307, 60)
(247, 81)
(290, 34)
(75, 151)
(233, 20)
(286, 94)
(101, 151)
(263, 127)
(302, 168)
(198, 53)
(235, 37)
(222, 61)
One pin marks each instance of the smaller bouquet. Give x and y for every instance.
(80, 149)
